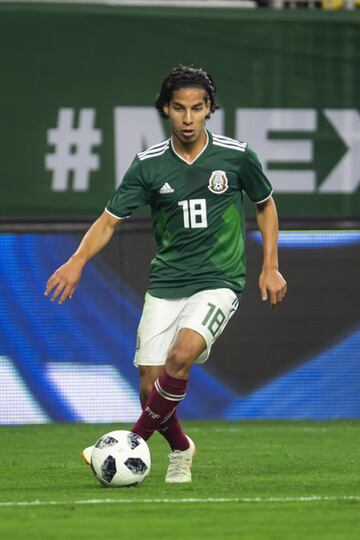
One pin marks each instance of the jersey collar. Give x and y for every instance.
(208, 134)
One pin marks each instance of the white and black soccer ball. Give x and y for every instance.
(120, 458)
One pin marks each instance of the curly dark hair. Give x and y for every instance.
(186, 76)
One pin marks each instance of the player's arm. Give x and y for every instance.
(271, 282)
(65, 279)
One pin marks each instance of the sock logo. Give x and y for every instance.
(151, 413)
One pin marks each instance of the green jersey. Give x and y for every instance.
(197, 213)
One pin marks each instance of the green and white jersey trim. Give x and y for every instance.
(227, 142)
(154, 151)
(266, 198)
(199, 154)
(113, 215)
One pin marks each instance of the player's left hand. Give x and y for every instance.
(273, 286)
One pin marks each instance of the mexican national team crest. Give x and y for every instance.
(218, 182)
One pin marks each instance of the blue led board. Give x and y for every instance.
(74, 362)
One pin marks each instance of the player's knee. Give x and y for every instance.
(178, 362)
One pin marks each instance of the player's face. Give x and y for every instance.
(187, 112)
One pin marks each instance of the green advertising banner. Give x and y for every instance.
(78, 85)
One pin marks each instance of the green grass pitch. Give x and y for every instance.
(251, 480)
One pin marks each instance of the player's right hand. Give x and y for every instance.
(63, 282)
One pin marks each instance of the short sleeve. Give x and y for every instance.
(253, 180)
(130, 194)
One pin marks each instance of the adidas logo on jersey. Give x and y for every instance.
(166, 189)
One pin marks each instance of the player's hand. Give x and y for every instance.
(273, 286)
(62, 284)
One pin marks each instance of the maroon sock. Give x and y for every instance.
(167, 392)
(172, 431)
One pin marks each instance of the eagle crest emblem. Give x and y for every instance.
(218, 182)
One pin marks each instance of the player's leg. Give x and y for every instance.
(160, 408)
(156, 334)
(188, 347)
(170, 387)
(170, 428)
(206, 314)
(202, 319)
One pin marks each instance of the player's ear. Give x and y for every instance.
(166, 109)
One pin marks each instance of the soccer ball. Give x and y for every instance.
(120, 458)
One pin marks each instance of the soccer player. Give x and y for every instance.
(194, 183)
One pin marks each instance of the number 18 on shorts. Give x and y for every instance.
(206, 312)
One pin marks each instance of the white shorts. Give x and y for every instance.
(207, 312)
